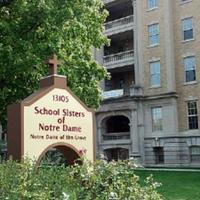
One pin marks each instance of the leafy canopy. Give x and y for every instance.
(32, 30)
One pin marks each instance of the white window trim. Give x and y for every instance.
(189, 40)
(153, 8)
(195, 68)
(154, 59)
(188, 55)
(192, 115)
(153, 45)
(154, 86)
(186, 16)
(184, 2)
(152, 125)
(182, 31)
(190, 83)
(191, 98)
(151, 24)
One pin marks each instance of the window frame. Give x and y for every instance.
(154, 118)
(185, 1)
(157, 74)
(185, 74)
(154, 6)
(153, 35)
(192, 115)
(183, 30)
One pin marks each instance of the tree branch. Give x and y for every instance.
(34, 26)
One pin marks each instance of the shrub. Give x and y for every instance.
(98, 181)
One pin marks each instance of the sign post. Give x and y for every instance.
(52, 117)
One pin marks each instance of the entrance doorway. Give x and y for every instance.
(159, 155)
(59, 154)
(116, 154)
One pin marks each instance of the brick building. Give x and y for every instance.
(151, 103)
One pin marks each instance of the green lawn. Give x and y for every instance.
(176, 185)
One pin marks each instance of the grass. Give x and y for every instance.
(176, 185)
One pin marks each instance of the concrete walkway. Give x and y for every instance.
(168, 169)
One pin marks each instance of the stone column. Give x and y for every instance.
(137, 34)
(169, 45)
(140, 127)
(135, 151)
(98, 140)
(134, 132)
(98, 56)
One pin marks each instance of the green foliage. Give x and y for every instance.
(30, 31)
(24, 181)
(54, 157)
(99, 181)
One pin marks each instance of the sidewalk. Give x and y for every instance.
(169, 169)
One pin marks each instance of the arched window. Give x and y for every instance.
(117, 124)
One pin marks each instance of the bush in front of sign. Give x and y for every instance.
(23, 180)
(114, 180)
(98, 181)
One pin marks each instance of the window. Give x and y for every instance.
(187, 28)
(154, 38)
(152, 4)
(195, 153)
(156, 113)
(190, 66)
(192, 115)
(185, 1)
(155, 73)
(116, 154)
(159, 155)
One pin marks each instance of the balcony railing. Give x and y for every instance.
(113, 94)
(119, 22)
(119, 59)
(119, 25)
(116, 136)
(108, 1)
(116, 93)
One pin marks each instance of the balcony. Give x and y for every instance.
(116, 93)
(113, 94)
(119, 25)
(108, 1)
(119, 60)
(116, 136)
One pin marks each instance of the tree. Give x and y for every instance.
(31, 31)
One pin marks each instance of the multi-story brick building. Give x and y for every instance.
(151, 103)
